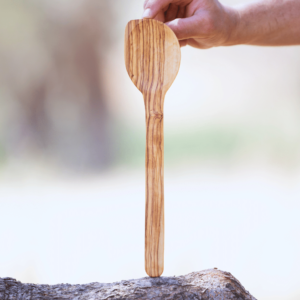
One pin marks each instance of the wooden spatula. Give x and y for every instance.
(152, 58)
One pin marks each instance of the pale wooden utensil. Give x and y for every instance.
(152, 58)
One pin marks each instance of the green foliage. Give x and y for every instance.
(213, 144)
(203, 144)
(2, 154)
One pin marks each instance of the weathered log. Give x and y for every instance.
(210, 284)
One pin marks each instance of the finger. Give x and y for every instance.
(197, 44)
(185, 28)
(152, 7)
(183, 43)
(160, 17)
(171, 13)
(145, 3)
(181, 12)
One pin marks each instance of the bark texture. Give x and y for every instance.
(205, 285)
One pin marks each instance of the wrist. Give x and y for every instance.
(233, 20)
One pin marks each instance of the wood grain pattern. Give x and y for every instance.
(152, 58)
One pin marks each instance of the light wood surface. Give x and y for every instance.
(152, 58)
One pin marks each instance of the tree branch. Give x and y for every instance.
(210, 284)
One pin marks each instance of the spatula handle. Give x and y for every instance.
(154, 221)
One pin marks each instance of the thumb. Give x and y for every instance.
(184, 28)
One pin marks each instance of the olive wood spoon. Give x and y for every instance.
(152, 58)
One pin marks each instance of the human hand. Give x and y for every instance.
(197, 23)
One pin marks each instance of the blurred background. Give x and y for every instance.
(72, 142)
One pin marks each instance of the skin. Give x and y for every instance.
(207, 23)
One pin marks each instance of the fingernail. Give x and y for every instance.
(147, 14)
